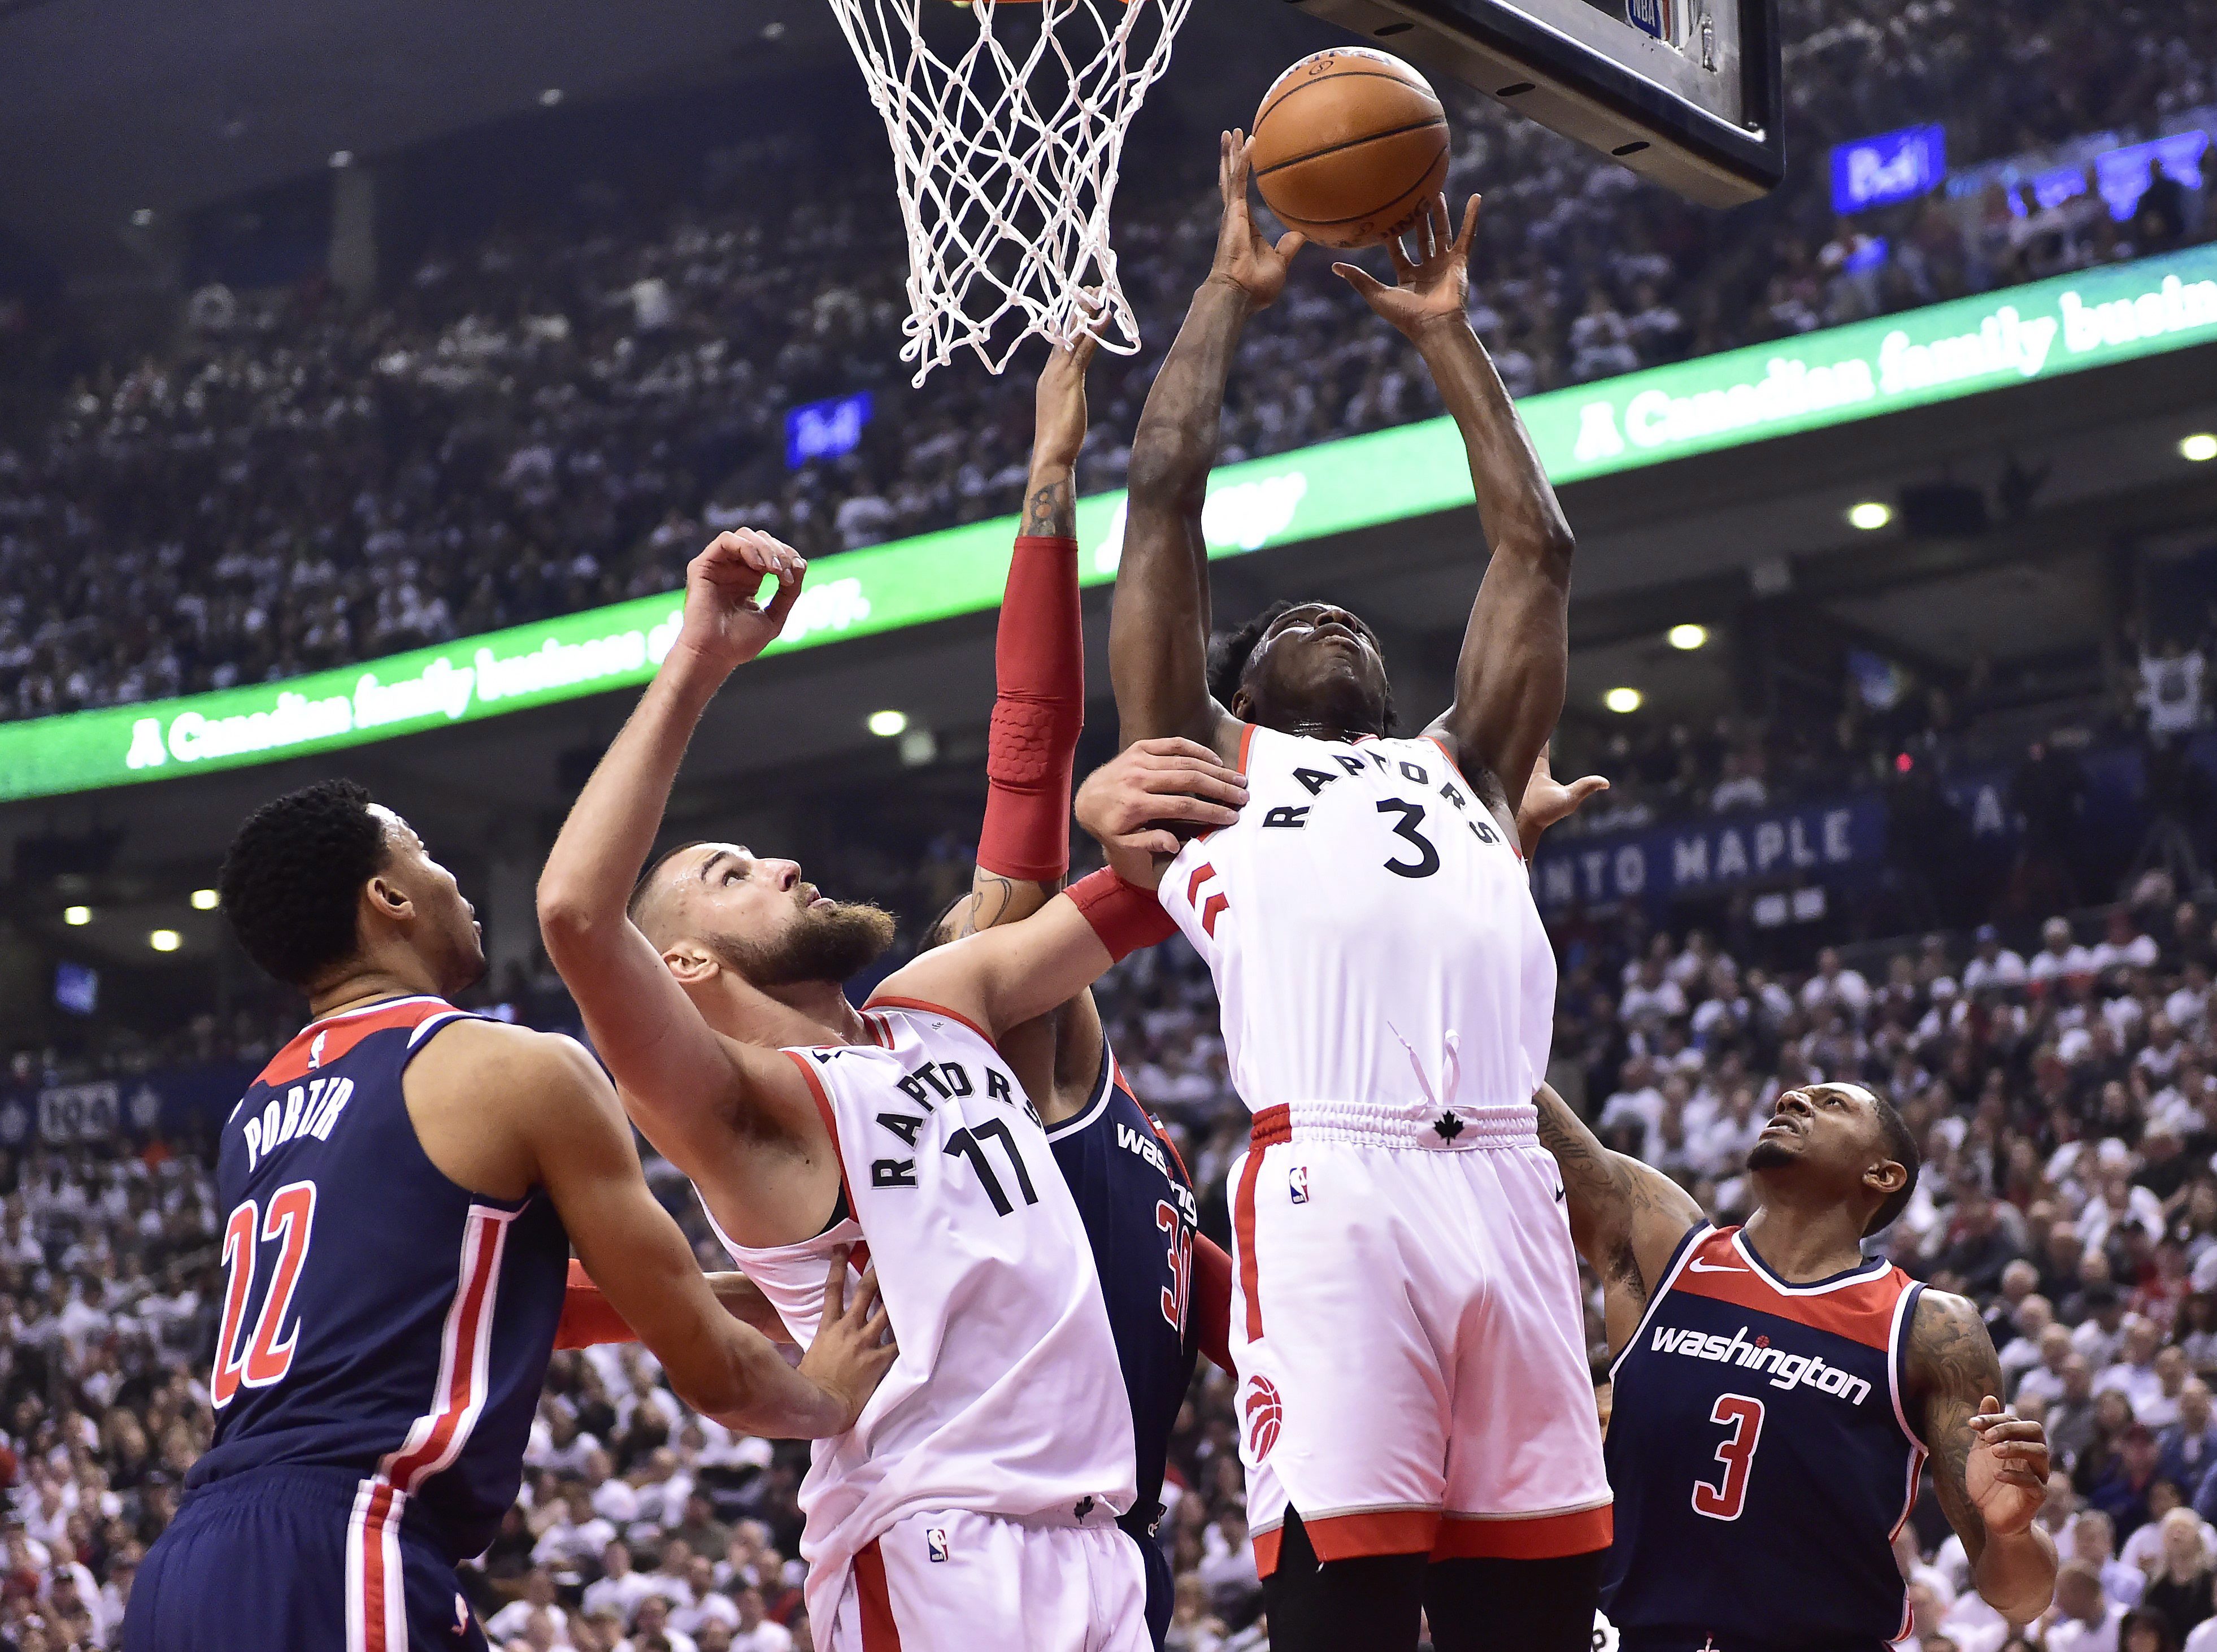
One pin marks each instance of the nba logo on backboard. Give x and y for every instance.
(934, 1540)
(1650, 17)
(1299, 1179)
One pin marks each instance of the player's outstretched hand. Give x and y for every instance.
(2006, 1475)
(1547, 802)
(1134, 803)
(1432, 287)
(725, 626)
(1243, 258)
(853, 1347)
(1058, 406)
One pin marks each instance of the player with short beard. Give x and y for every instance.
(974, 1506)
(1775, 1392)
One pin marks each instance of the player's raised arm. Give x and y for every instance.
(1516, 652)
(1626, 1217)
(542, 1104)
(642, 1024)
(1158, 631)
(1038, 669)
(1989, 1469)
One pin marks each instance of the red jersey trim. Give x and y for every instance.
(880, 1632)
(1862, 1309)
(1246, 739)
(929, 1008)
(321, 1043)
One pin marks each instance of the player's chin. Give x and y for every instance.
(1769, 1152)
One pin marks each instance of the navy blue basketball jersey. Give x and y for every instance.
(377, 1318)
(1761, 1455)
(1138, 1206)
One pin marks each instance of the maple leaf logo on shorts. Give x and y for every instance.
(1265, 1411)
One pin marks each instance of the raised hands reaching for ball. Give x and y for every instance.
(1432, 287)
(1244, 258)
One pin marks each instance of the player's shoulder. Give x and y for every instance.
(491, 1059)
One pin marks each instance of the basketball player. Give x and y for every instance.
(1168, 1286)
(404, 1183)
(973, 1505)
(1776, 1394)
(1420, 1424)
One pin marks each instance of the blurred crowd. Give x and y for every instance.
(545, 416)
(2061, 1076)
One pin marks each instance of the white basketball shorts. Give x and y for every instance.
(963, 1582)
(1410, 1341)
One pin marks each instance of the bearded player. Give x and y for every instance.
(973, 1505)
(1419, 1426)
(1166, 1284)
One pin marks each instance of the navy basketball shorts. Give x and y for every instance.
(282, 1560)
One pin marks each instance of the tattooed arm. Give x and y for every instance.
(1989, 1469)
(1626, 1217)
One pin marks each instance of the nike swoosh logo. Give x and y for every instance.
(1701, 1267)
(1559, 1195)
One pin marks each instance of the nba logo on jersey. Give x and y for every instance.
(1298, 1177)
(316, 1050)
(934, 1540)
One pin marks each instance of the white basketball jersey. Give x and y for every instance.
(1370, 926)
(1007, 1398)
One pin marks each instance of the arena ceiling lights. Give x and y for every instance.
(2092, 318)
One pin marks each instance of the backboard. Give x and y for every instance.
(1685, 92)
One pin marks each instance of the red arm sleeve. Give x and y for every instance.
(587, 1318)
(1039, 709)
(1212, 1300)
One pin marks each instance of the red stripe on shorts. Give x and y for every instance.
(1542, 1537)
(880, 1632)
(1375, 1531)
(1272, 1125)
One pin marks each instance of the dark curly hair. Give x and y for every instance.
(292, 878)
(1228, 655)
(1901, 1148)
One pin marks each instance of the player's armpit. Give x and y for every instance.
(633, 1250)
(1989, 1469)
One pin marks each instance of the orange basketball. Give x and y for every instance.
(1350, 145)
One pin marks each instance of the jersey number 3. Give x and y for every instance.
(290, 1217)
(1744, 1416)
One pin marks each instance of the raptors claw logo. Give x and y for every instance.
(1264, 1412)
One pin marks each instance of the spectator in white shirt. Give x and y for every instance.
(2124, 947)
(1652, 993)
(651, 1619)
(2060, 957)
(2034, 1317)
(1834, 984)
(513, 1620)
(2134, 1374)
(755, 1632)
(619, 1588)
(577, 1534)
(1993, 965)
(1637, 1102)
(2045, 1380)
(2082, 1619)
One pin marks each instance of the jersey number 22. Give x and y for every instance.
(290, 1217)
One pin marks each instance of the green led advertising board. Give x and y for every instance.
(1963, 347)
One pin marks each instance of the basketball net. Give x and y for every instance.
(1005, 156)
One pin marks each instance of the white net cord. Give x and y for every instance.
(1005, 187)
